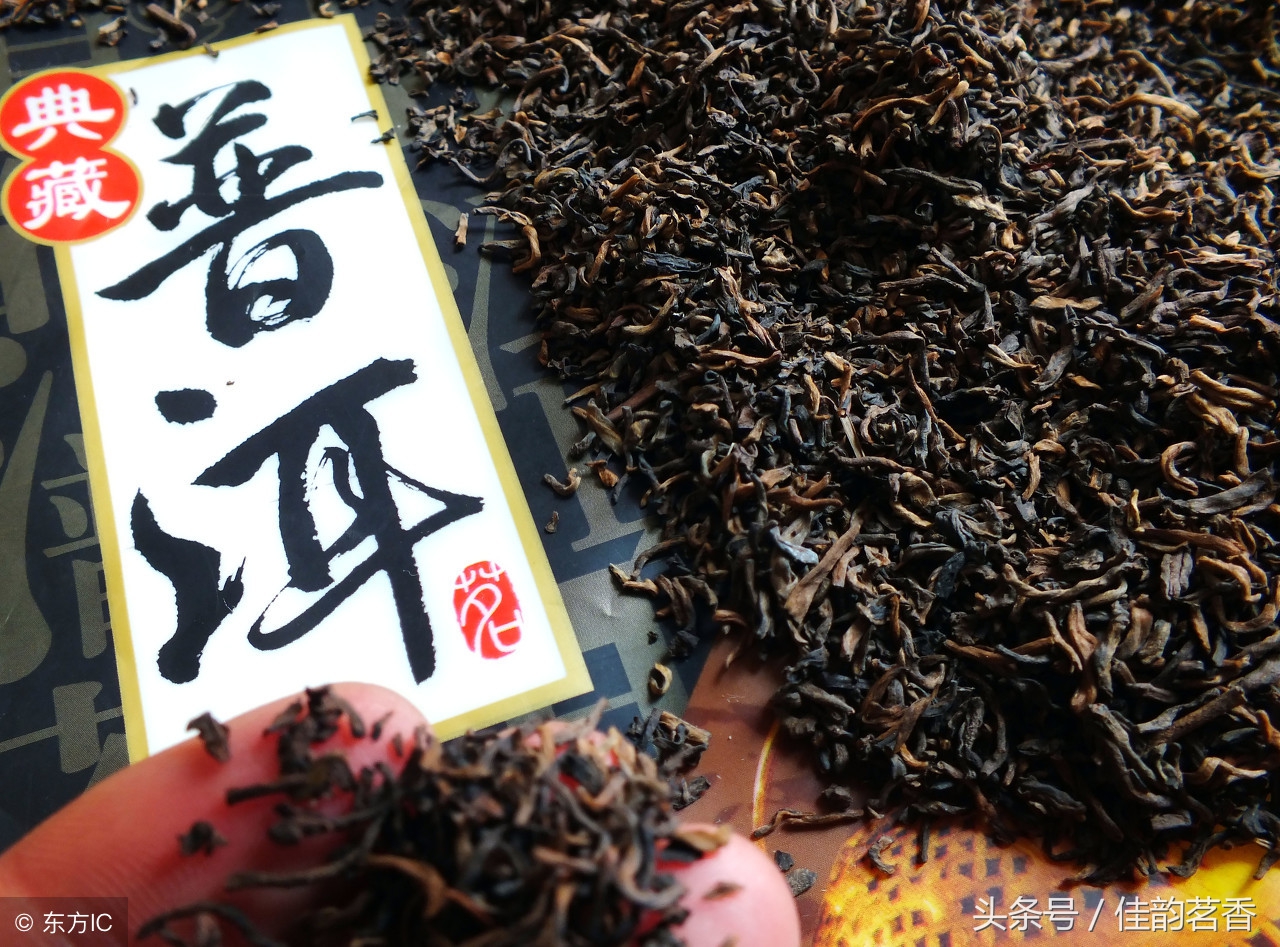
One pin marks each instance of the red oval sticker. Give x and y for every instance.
(74, 200)
(487, 609)
(71, 187)
(61, 114)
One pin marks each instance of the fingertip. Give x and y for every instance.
(377, 703)
(737, 895)
(121, 837)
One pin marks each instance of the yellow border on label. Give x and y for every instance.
(135, 730)
(576, 680)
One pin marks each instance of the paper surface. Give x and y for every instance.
(286, 432)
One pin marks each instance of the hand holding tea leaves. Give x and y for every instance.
(559, 835)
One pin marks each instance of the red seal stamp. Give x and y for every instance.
(488, 610)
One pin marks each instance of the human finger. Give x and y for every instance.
(120, 838)
(736, 895)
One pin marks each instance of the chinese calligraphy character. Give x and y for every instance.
(1061, 912)
(361, 478)
(238, 307)
(202, 604)
(1133, 914)
(70, 190)
(1239, 913)
(986, 913)
(1200, 914)
(53, 923)
(1166, 914)
(63, 107)
(1023, 913)
(79, 923)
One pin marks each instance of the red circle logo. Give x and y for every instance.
(65, 201)
(59, 114)
(70, 187)
(487, 609)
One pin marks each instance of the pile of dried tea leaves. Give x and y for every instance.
(677, 745)
(40, 13)
(171, 24)
(944, 337)
(547, 835)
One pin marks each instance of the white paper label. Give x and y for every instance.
(300, 482)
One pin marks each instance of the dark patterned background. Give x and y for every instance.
(61, 728)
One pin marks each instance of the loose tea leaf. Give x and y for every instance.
(552, 833)
(944, 339)
(201, 837)
(213, 735)
(794, 818)
(721, 890)
(570, 485)
(801, 880)
(659, 680)
(875, 854)
(689, 791)
(678, 746)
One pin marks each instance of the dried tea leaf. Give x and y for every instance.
(875, 854)
(801, 880)
(201, 837)
(566, 489)
(659, 680)
(689, 791)
(965, 414)
(795, 818)
(213, 735)
(401, 843)
(722, 890)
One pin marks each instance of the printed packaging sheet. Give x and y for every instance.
(296, 471)
(968, 890)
